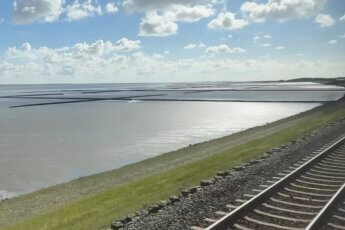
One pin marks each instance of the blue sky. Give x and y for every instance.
(81, 41)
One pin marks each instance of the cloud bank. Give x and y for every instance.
(120, 61)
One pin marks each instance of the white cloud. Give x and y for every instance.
(227, 21)
(218, 2)
(79, 10)
(28, 11)
(111, 8)
(281, 10)
(126, 45)
(154, 24)
(256, 39)
(266, 45)
(8, 67)
(267, 36)
(190, 46)
(157, 56)
(180, 13)
(201, 45)
(167, 52)
(229, 36)
(280, 48)
(164, 23)
(148, 5)
(342, 36)
(22, 53)
(83, 51)
(26, 47)
(194, 46)
(342, 18)
(332, 42)
(324, 20)
(224, 49)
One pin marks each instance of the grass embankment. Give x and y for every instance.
(100, 209)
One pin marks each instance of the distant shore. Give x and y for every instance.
(56, 198)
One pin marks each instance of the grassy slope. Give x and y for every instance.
(100, 209)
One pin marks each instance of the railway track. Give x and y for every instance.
(311, 195)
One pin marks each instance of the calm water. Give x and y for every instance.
(45, 145)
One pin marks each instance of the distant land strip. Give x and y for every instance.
(266, 90)
(229, 100)
(54, 103)
(145, 99)
(40, 94)
(90, 91)
(77, 100)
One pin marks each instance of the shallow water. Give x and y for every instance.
(45, 145)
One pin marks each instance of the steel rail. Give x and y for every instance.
(250, 205)
(322, 217)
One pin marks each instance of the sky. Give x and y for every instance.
(100, 41)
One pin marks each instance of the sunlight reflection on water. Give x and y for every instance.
(42, 146)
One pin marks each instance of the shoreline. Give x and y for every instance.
(54, 197)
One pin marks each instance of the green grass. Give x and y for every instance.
(100, 209)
